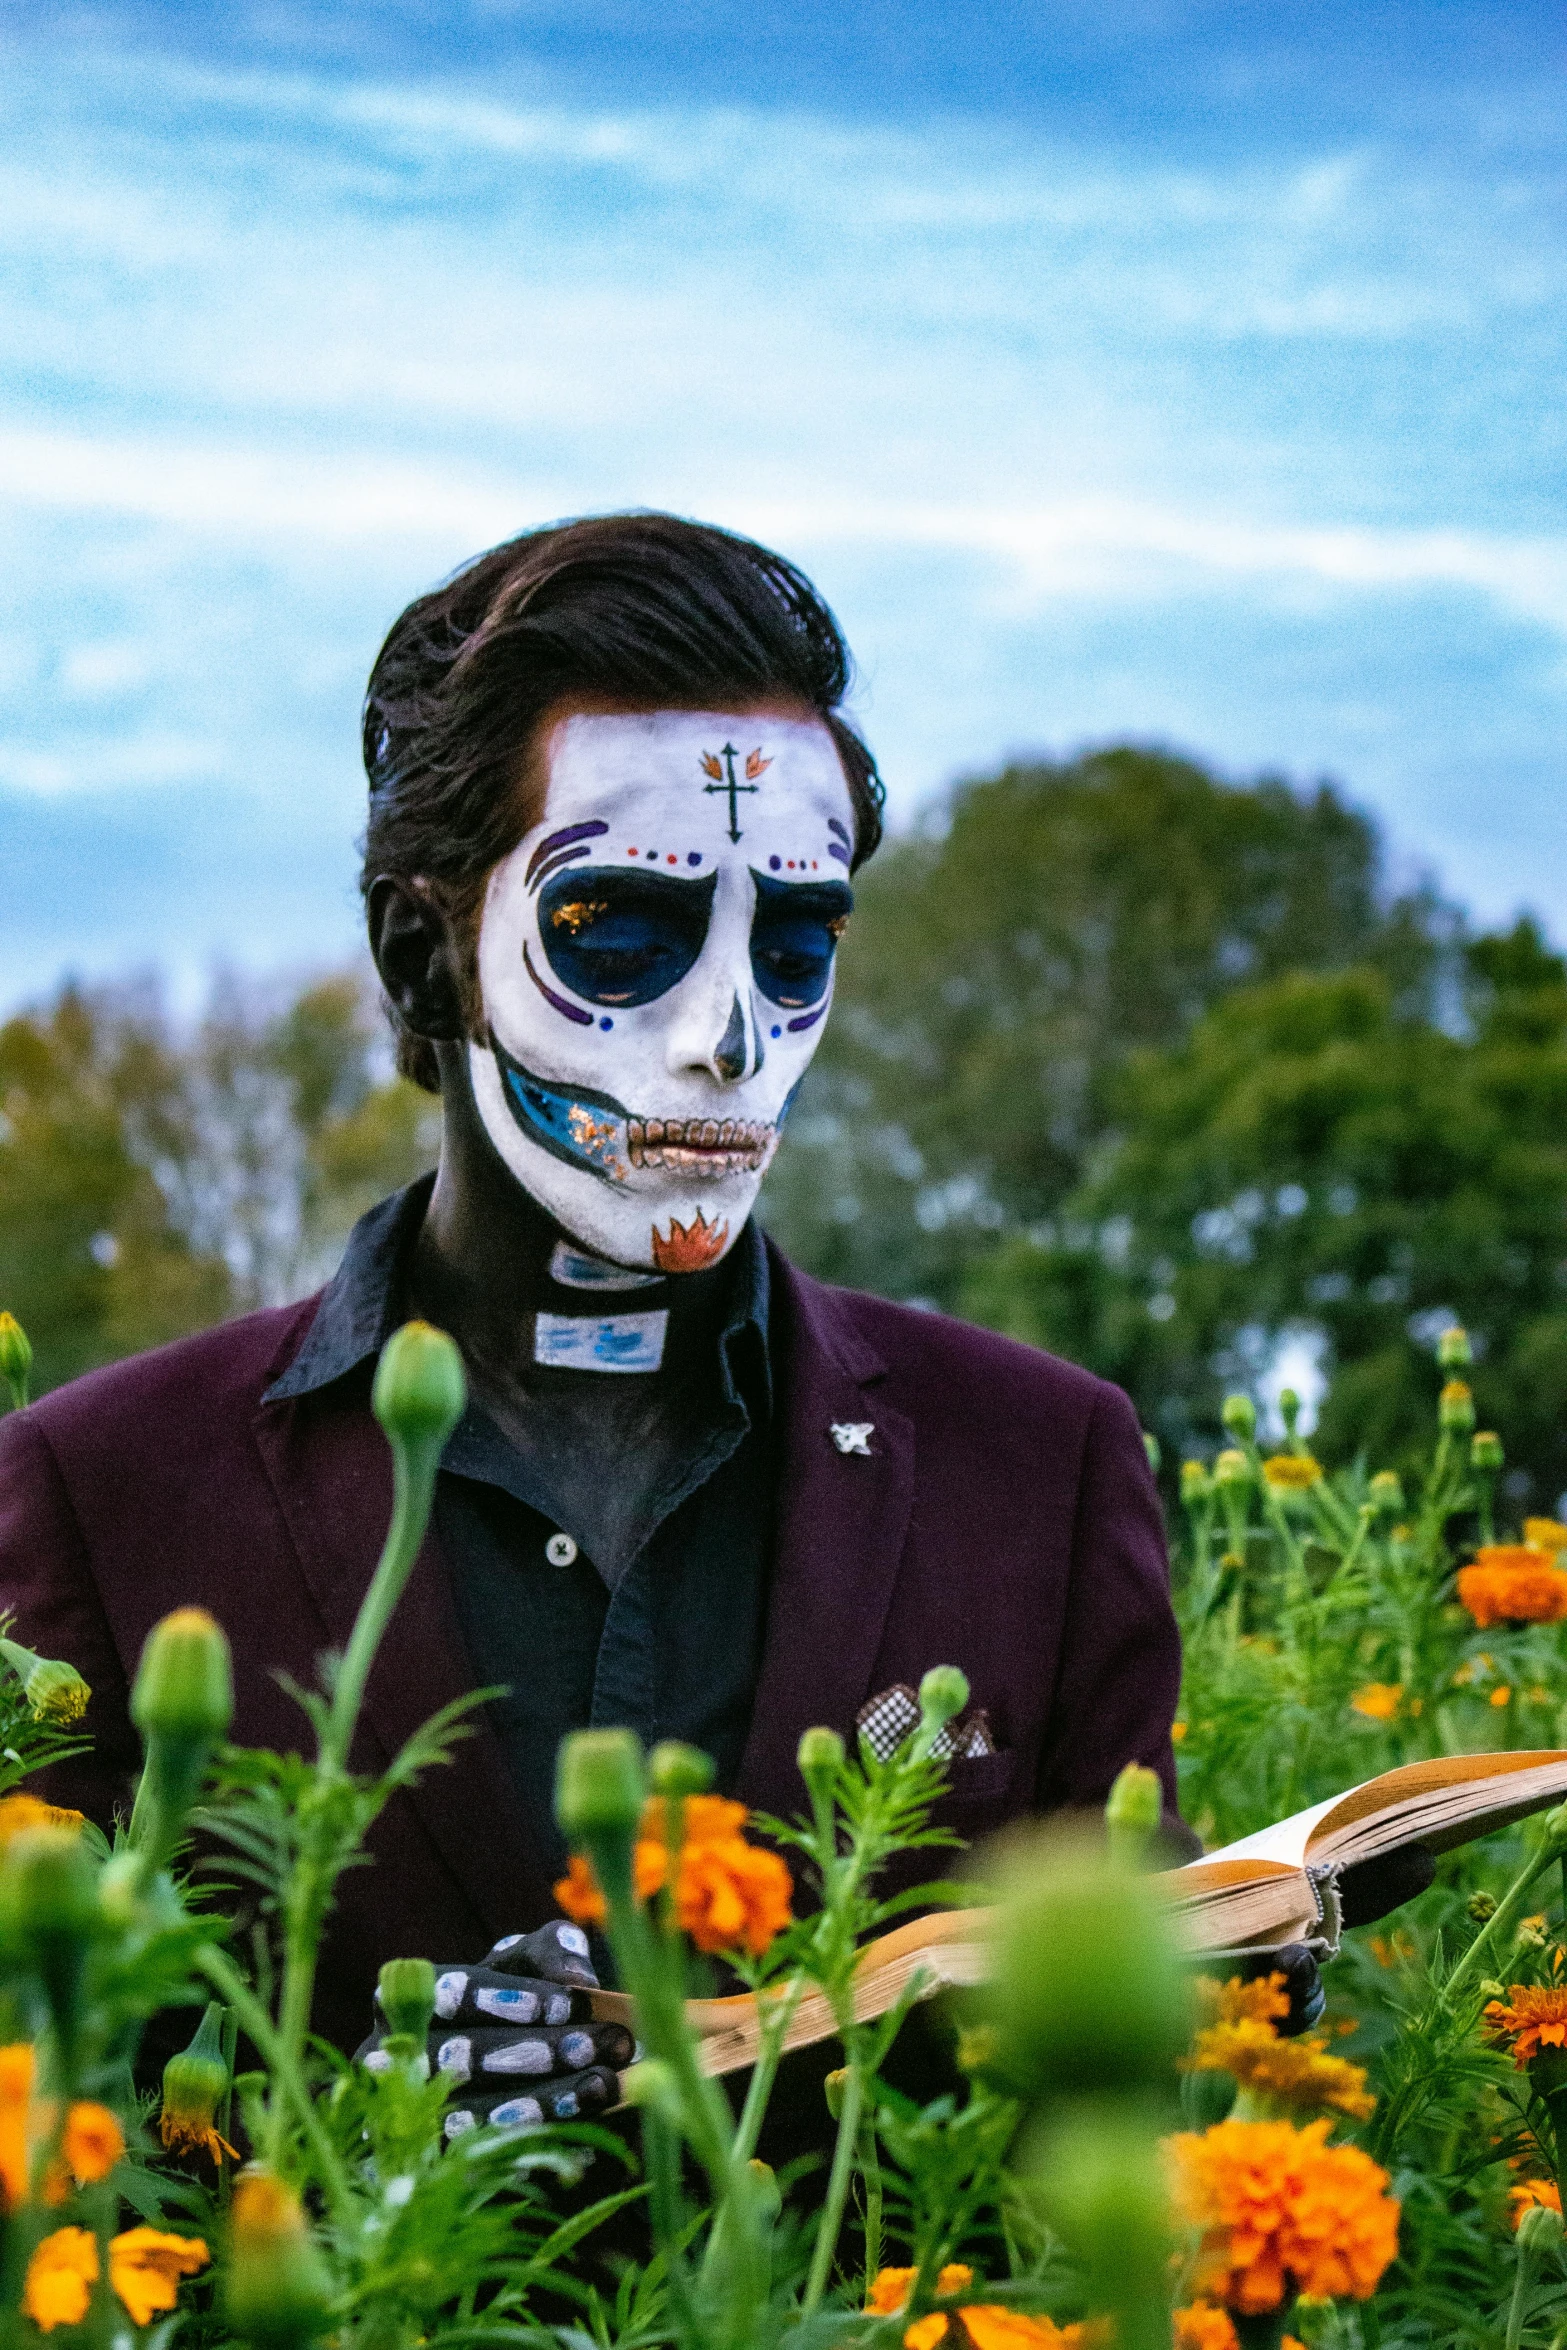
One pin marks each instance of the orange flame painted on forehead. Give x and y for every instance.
(756, 765)
(690, 1248)
(712, 766)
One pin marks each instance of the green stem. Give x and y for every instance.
(663, 2162)
(765, 2071)
(254, 2019)
(826, 2246)
(413, 1492)
(1523, 2278)
(1506, 1915)
(870, 2172)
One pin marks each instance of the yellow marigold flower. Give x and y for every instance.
(1529, 2019)
(1177, 1733)
(1510, 1583)
(987, 2325)
(25, 1811)
(145, 2268)
(727, 1893)
(1502, 1695)
(1264, 2000)
(1298, 2073)
(1292, 1472)
(1545, 1534)
(16, 2097)
(60, 2278)
(1279, 2211)
(1379, 1701)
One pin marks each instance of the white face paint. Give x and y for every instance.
(655, 962)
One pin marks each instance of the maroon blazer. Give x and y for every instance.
(1005, 1520)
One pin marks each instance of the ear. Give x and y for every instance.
(416, 955)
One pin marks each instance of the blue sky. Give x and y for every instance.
(1191, 374)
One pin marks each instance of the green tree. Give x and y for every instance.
(1316, 1157)
(154, 1179)
(1005, 961)
(91, 1260)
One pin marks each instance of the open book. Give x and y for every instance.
(1279, 1885)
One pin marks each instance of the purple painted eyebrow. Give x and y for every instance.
(841, 830)
(572, 1011)
(566, 857)
(833, 850)
(559, 840)
(806, 1020)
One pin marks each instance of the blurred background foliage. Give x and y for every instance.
(1129, 1061)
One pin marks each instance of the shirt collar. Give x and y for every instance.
(361, 1306)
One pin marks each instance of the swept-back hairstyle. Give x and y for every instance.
(645, 607)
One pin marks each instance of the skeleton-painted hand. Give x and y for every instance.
(516, 2037)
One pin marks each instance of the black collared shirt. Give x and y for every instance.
(673, 1650)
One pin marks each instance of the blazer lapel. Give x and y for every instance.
(841, 1521)
(331, 1472)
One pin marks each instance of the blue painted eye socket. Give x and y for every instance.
(620, 937)
(794, 935)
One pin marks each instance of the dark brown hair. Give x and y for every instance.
(646, 608)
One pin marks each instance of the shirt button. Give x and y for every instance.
(560, 1550)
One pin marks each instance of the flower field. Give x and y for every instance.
(1131, 2151)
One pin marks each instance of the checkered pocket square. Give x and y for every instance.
(884, 1723)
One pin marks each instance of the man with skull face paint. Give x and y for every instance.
(614, 812)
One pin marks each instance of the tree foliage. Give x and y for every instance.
(1003, 966)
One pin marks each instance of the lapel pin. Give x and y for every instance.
(853, 1436)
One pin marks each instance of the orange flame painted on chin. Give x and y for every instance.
(690, 1248)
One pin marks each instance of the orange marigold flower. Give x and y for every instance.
(16, 2096)
(1264, 2000)
(92, 2144)
(25, 1811)
(1500, 1696)
(145, 2268)
(1203, 2325)
(1531, 2018)
(727, 1894)
(1395, 1949)
(987, 2325)
(1379, 1701)
(1545, 1533)
(1296, 2073)
(1534, 2191)
(1510, 1583)
(1280, 2211)
(1292, 1472)
(60, 2278)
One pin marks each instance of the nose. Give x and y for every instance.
(719, 1034)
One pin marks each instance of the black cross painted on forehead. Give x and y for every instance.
(728, 755)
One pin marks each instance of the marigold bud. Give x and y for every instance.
(1196, 1484)
(1455, 1408)
(55, 1691)
(49, 1916)
(1289, 1409)
(1539, 2229)
(1154, 1450)
(184, 1689)
(1089, 1992)
(1453, 1350)
(419, 1393)
(1481, 1907)
(600, 1784)
(677, 1770)
(819, 1754)
(195, 2084)
(1387, 1491)
(16, 1358)
(1133, 1812)
(1485, 1452)
(1232, 1468)
(405, 1992)
(1240, 1416)
(277, 2292)
(833, 2089)
(943, 1693)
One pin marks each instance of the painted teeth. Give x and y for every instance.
(707, 1146)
